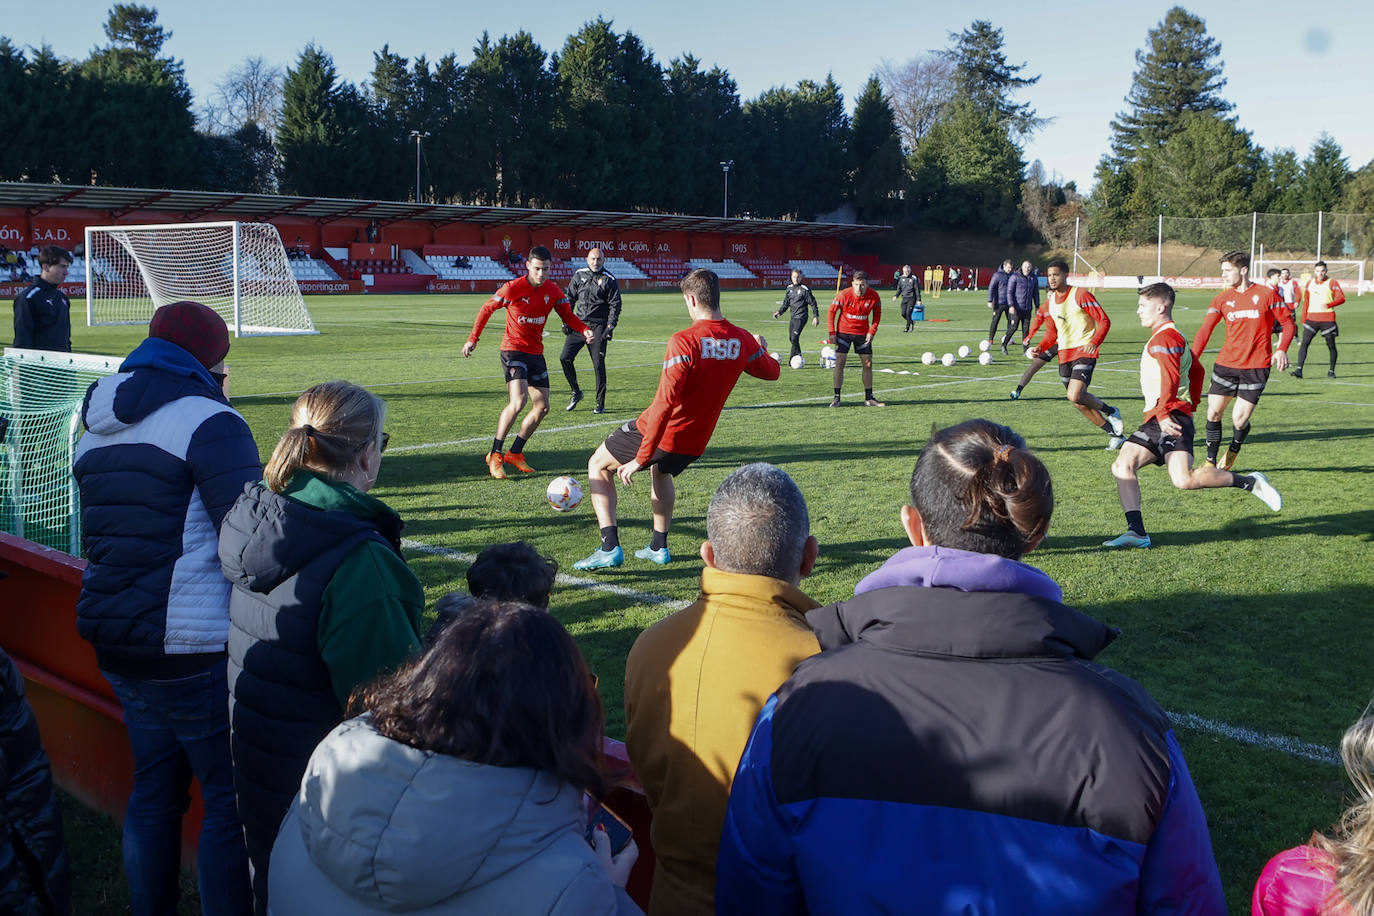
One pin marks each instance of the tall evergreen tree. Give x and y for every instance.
(1179, 72)
(793, 154)
(875, 153)
(510, 93)
(967, 172)
(1278, 184)
(309, 134)
(983, 76)
(1325, 174)
(1207, 169)
(706, 124)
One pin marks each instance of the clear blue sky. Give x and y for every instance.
(1293, 70)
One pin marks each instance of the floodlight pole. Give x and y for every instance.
(419, 136)
(725, 167)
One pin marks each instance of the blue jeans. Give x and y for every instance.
(179, 728)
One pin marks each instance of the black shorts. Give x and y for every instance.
(624, 443)
(1324, 328)
(1049, 355)
(844, 341)
(1246, 384)
(1151, 437)
(526, 366)
(1080, 369)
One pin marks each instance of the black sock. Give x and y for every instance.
(1106, 427)
(518, 446)
(1135, 522)
(659, 541)
(1238, 437)
(1213, 440)
(1020, 388)
(1242, 482)
(868, 395)
(498, 445)
(837, 392)
(610, 537)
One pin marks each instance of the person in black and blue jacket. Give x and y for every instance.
(163, 458)
(954, 748)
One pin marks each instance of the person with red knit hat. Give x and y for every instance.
(162, 459)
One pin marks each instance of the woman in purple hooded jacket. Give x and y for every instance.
(954, 748)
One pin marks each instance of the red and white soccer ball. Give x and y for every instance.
(564, 493)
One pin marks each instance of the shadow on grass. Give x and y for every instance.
(1359, 525)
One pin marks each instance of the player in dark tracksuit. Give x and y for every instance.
(1023, 289)
(595, 297)
(908, 293)
(42, 313)
(799, 299)
(999, 299)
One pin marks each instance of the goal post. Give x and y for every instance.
(1350, 274)
(238, 269)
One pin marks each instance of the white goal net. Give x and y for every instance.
(238, 269)
(1350, 274)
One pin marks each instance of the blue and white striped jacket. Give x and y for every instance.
(163, 458)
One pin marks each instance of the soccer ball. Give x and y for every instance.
(564, 493)
(985, 358)
(928, 358)
(947, 359)
(964, 352)
(797, 361)
(827, 357)
(985, 345)
(1030, 352)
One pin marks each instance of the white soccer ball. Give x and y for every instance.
(964, 352)
(985, 358)
(1030, 352)
(797, 361)
(827, 353)
(928, 358)
(564, 493)
(985, 345)
(775, 356)
(947, 359)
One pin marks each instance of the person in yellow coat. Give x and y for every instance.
(696, 680)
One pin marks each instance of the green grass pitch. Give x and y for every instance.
(1238, 617)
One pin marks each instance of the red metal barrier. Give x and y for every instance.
(81, 723)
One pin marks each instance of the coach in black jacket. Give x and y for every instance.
(42, 313)
(799, 299)
(595, 298)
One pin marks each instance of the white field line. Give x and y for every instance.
(1290, 746)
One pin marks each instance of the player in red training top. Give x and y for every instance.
(1077, 327)
(1319, 300)
(858, 310)
(700, 368)
(527, 301)
(1166, 438)
(1242, 367)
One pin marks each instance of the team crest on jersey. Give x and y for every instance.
(1255, 299)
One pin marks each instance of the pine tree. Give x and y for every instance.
(983, 76)
(703, 107)
(875, 154)
(1325, 174)
(1179, 72)
(309, 130)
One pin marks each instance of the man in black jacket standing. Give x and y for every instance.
(799, 299)
(908, 293)
(999, 300)
(42, 313)
(595, 297)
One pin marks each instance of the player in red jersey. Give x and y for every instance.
(1319, 300)
(1241, 369)
(1077, 326)
(527, 301)
(858, 310)
(1166, 438)
(700, 369)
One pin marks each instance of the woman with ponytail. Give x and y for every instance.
(322, 600)
(1331, 875)
(954, 748)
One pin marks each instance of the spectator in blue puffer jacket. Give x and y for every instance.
(163, 458)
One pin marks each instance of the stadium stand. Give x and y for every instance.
(726, 270)
(622, 269)
(303, 268)
(376, 266)
(663, 267)
(459, 267)
(814, 270)
(773, 271)
(563, 269)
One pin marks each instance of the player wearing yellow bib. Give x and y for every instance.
(1168, 372)
(1077, 326)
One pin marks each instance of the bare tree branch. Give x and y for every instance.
(919, 90)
